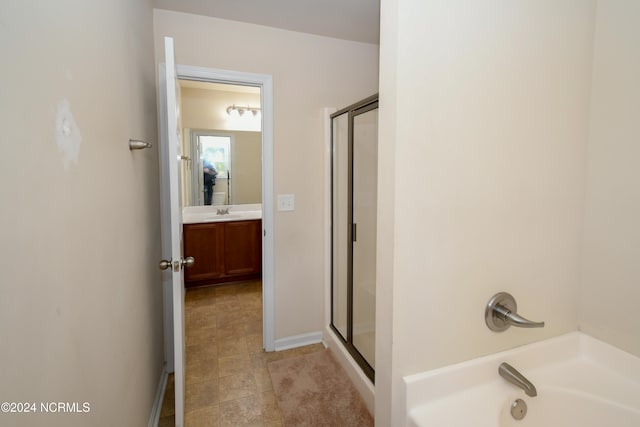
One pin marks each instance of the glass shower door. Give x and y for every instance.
(354, 185)
(365, 187)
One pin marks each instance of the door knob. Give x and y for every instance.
(186, 262)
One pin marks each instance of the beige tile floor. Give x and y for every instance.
(226, 381)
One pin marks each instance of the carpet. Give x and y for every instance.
(314, 390)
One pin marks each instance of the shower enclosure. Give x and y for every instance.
(354, 184)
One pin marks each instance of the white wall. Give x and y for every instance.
(246, 166)
(484, 117)
(610, 293)
(81, 297)
(309, 73)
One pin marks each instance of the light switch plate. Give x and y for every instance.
(286, 202)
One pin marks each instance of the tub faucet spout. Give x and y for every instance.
(512, 375)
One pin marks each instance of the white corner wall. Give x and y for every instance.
(81, 296)
(484, 112)
(610, 269)
(309, 73)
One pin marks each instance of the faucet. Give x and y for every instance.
(512, 375)
(222, 211)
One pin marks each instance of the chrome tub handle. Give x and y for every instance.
(502, 312)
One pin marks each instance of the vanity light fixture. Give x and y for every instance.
(239, 111)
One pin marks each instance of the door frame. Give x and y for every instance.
(265, 82)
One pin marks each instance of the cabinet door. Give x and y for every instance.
(205, 243)
(242, 248)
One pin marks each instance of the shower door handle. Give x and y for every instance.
(354, 229)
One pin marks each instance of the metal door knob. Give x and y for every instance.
(164, 264)
(187, 262)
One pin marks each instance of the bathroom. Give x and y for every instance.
(498, 198)
(221, 181)
(299, 145)
(518, 131)
(508, 165)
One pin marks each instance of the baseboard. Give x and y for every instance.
(154, 418)
(298, 341)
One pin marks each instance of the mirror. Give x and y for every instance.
(221, 144)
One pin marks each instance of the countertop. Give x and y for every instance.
(203, 214)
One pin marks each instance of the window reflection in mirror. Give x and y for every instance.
(213, 134)
(214, 152)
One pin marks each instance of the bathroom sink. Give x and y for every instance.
(212, 216)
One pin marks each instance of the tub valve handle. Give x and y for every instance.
(502, 312)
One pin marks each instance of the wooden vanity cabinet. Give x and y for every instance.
(223, 251)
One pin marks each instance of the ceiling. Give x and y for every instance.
(356, 20)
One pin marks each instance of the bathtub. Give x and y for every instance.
(581, 382)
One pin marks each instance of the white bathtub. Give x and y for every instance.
(581, 382)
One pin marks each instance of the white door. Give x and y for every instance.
(172, 263)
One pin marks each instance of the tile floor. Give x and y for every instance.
(226, 381)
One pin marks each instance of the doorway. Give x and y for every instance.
(264, 82)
